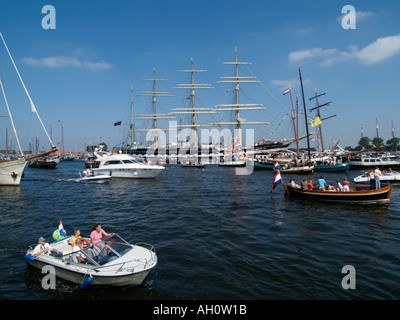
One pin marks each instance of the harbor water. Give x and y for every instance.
(217, 236)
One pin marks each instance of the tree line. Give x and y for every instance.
(377, 143)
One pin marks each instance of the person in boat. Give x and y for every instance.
(340, 187)
(304, 184)
(371, 176)
(321, 183)
(294, 184)
(96, 234)
(346, 185)
(75, 237)
(331, 187)
(44, 247)
(377, 174)
(310, 185)
(77, 255)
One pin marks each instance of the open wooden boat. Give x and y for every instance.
(359, 194)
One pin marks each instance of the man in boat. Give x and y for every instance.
(377, 174)
(321, 183)
(77, 255)
(44, 247)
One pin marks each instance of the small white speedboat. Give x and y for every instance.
(392, 177)
(90, 176)
(112, 261)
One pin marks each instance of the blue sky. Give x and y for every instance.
(79, 75)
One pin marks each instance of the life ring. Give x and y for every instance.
(14, 175)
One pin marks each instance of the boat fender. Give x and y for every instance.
(86, 283)
(30, 257)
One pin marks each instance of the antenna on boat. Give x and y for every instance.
(33, 108)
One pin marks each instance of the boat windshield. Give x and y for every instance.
(117, 244)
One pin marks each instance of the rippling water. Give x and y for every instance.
(217, 236)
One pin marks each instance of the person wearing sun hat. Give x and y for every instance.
(44, 247)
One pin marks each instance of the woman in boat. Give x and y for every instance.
(346, 185)
(340, 187)
(96, 234)
(371, 176)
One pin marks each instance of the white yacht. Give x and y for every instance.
(120, 165)
(375, 160)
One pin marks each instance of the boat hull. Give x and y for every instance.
(298, 170)
(11, 172)
(131, 173)
(133, 279)
(333, 168)
(355, 195)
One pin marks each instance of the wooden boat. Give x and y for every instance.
(355, 195)
(333, 168)
(42, 163)
(298, 170)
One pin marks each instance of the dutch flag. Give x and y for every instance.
(61, 229)
(276, 165)
(286, 91)
(277, 181)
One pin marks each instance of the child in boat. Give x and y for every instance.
(75, 237)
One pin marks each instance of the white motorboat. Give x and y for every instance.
(112, 261)
(375, 160)
(392, 177)
(91, 177)
(119, 165)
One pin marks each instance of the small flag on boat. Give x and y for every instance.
(313, 138)
(117, 123)
(276, 166)
(61, 229)
(286, 91)
(316, 122)
(277, 180)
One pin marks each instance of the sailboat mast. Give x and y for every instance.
(238, 125)
(237, 107)
(11, 119)
(193, 110)
(155, 116)
(131, 124)
(305, 116)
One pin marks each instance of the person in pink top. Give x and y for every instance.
(96, 233)
(95, 236)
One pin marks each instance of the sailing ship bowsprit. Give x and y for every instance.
(11, 171)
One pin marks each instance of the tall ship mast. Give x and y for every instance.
(237, 107)
(155, 116)
(193, 110)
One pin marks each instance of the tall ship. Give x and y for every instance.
(233, 158)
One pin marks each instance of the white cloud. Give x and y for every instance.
(292, 83)
(65, 62)
(297, 56)
(381, 49)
